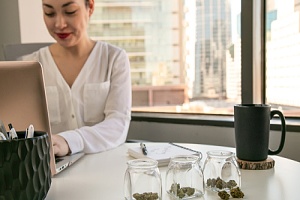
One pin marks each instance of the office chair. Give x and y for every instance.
(14, 51)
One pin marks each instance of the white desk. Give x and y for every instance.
(101, 176)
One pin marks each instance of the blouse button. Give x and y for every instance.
(73, 116)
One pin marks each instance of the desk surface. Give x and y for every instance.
(101, 176)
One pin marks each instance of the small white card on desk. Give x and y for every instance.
(161, 152)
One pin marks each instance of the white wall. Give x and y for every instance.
(9, 23)
(32, 24)
(21, 21)
(163, 132)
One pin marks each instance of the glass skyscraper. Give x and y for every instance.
(213, 38)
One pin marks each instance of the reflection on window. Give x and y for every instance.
(184, 54)
(283, 55)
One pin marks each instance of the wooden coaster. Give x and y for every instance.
(256, 165)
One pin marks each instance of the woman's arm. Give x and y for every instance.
(112, 131)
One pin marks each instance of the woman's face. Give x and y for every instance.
(67, 20)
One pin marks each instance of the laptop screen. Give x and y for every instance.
(23, 98)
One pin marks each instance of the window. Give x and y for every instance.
(283, 55)
(186, 55)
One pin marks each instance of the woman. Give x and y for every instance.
(88, 83)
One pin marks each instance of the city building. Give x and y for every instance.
(213, 38)
(283, 53)
(151, 32)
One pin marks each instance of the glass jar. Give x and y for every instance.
(184, 177)
(142, 180)
(221, 171)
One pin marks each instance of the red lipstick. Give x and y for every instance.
(63, 35)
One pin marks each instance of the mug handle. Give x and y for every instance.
(283, 132)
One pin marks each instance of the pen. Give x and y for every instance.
(2, 136)
(12, 132)
(144, 149)
(30, 132)
(3, 129)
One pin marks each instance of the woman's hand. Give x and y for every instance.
(60, 145)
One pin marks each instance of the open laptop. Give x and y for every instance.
(23, 102)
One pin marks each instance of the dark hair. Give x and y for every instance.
(87, 3)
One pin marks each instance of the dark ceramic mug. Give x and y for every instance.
(252, 130)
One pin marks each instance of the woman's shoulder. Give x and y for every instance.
(111, 48)
(36, 55)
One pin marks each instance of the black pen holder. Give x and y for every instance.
(25, 167)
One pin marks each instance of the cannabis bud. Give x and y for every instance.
(181, 192)
(146, 196)
(223, 195)
(235, 193)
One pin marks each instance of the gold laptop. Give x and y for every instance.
(23, 102)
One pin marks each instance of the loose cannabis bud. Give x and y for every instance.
(236, 193)
(223, 195)
(146, 196)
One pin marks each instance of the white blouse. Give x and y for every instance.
(94, 114)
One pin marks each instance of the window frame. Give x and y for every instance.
(253, 15)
